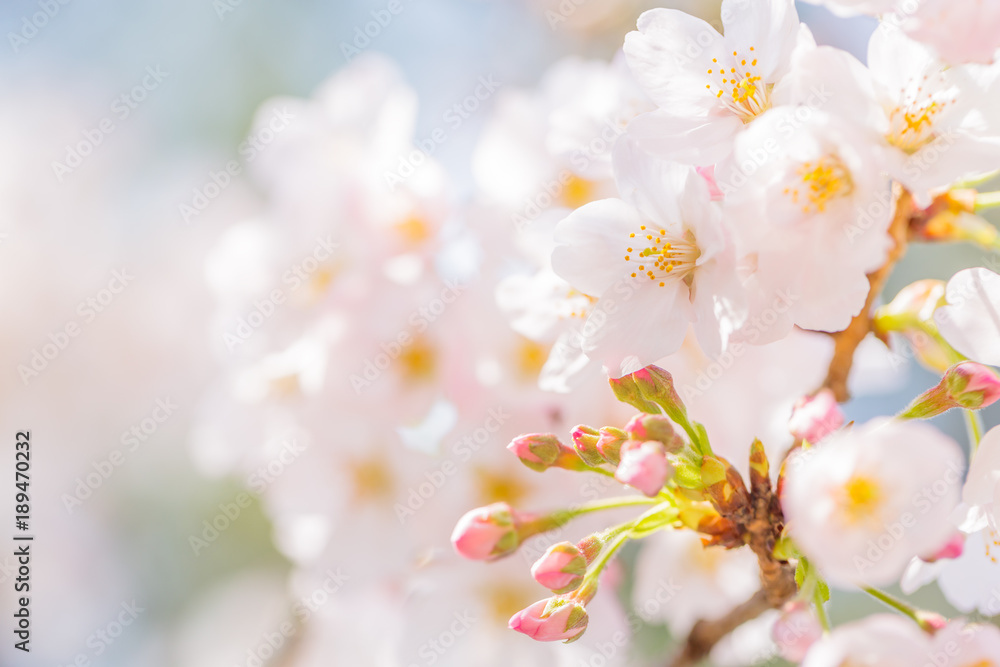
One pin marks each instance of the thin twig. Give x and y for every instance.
(846, 342)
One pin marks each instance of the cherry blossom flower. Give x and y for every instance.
(809, 203)
(884, 639)
(864, 502)
(891, 641)
(659, 259)
(709, 86)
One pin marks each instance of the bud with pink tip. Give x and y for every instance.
(796, 630)
(654, 427)
(551, 620)
(541, 451)
(561, 569)
(973, 386)
(968, 385)
(610, 442)
(487, 533)
(815, 417)
(644, 466)
(931, 622)
(585, 442)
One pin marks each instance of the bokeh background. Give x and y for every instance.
(111, 230)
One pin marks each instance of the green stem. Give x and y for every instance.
(987, 200)
(975, 181)
(824, 620)
(611, 503)
(896, 604)
(974, 424)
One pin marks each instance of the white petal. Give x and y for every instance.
(665, 56)
(699, 140)
(720, 305)
(984, 471)
(650, 184)
(769, 26)
(591, 243)
(895, 60)
(631, 330)
(971, 320)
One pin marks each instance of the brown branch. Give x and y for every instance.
(706, 634)
(846, 342)
(762, 520)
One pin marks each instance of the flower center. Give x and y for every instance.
(742, 90)
(911, 124)
(499, 486)
(373, 479)
(418, 361)
(659, 255)
(991, 540)
(577, 192)
(822, 182)
(414, 230)
(530, 358)
(861, 498)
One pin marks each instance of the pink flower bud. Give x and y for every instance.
(951, 549)
(657, 385)
(972, 386)
(815, 417)
(561, 569)
(541, 452)
(610, 443)
(796, 630)
(644, 466)
(486, 533)
(931, 622)
(551, 620)
(654, 427)
(966, 385)
(537, 451)
(585, 442)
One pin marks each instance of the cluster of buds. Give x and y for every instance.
(661, 453)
